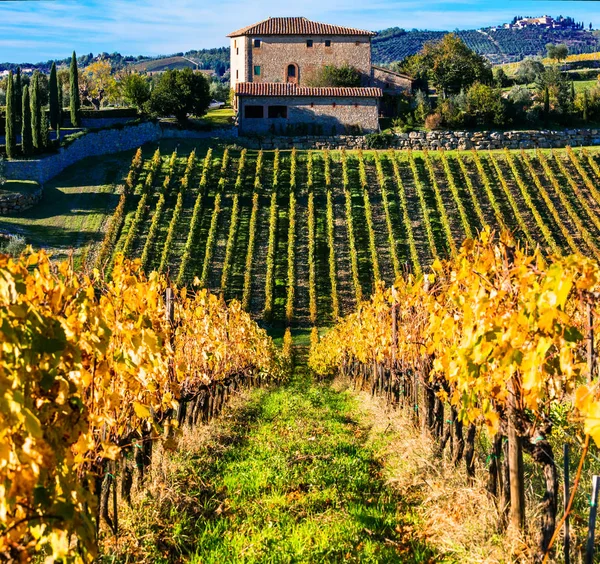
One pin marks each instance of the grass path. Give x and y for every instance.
(287, 477)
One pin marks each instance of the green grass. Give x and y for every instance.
(221, 117)
(18, 187)
(582, 85)
(291, 480)
(73, 208)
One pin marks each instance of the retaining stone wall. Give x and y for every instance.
(91, 145)
(95, 144)
(433, 140)
(13, 203)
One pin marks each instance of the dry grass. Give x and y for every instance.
(460, 520)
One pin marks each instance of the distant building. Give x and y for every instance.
(272, 61)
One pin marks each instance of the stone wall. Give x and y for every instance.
(97, 123)
(17, 202)
(95, 144)
(277, 52)
(450, 140)
(391, 82)
(91, 145)
(327, 115)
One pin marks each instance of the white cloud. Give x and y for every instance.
(33, 31)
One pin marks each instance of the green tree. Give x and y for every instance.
(529, 70)
(485, 105)
(331, 75)
(135, 90)
(53, 97)
(180, 93)
(18, 92)
(450, 65)
(11, 118)
(500, 78)
(45, 130)
(74, 89)
(26, 135)
(557, 52)
(36, 112)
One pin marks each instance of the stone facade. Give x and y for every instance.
(449, 140)
(320, 115)
(16, 202)
(266, 51)
(390, 82)
(276, 53)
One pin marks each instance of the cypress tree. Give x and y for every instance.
(45, 130)
(53, 97)
(18, 92)
(61, 104)
(546, 102)
(11, 115)
(36, 113)
(74, 84)
(26, 139)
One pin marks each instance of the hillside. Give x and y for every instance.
(413, 209)
(498, 45)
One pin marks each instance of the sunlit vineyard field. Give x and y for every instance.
(299, 237)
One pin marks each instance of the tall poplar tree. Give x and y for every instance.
(36, 113)
(74, 86)
(11, 115)
(53, 98)
(26, 138)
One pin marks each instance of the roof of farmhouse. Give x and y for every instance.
(288, 89)
(297, 26)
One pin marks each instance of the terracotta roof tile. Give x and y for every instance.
(287, 89)
(297, 26)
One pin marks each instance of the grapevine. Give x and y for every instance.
(424, 209)
(456, 196)
(273, 216)
(405, 217)
(388, 219)
(527, 197)
(291, 249)
(368, 216)
(440, 203)
(335, 303)
(350, 224)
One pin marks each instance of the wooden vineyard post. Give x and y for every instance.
(170, 317)
(589, 551)
(566, 503)
(590, 341)
(515, 464)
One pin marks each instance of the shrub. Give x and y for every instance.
(331, 75)
(13, 245)
(433, 121)
(379, 140)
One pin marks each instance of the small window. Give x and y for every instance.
(237, 51)
(277, 112)
(235, 43)
(309, 42)
(328, 43)
(256, 71)
(237, 74)
(291, 71)
(334, 105)
(254, 112)
(257, 43)
(357, 43)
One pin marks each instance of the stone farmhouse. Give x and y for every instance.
(272, 61)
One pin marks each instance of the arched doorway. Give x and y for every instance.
(291, 74)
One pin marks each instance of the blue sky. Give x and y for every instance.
(32, 31)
